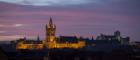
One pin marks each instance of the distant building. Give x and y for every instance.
(116, 37)
(51, 41)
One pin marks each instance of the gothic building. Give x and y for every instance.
(60, 42)
(50, 41)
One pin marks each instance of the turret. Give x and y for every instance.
(117, 33)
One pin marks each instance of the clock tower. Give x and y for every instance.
(50, 31)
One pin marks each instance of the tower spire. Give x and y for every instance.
(50, 22)
(50, 31)
(38, 38)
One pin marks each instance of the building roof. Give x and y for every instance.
(32, 42)
(69, 39)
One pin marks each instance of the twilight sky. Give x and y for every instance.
(19, 18)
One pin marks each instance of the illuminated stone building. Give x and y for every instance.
(51, 41)
(58, 42)
(67, 42)
(30, 44)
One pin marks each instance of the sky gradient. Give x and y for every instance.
(19, 18)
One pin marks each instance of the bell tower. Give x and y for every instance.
(50, 31)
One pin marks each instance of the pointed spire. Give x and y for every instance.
(50, 22)
(38, 38)
(24, 38)
(54, 26)
(92, 38)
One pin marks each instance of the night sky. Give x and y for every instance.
(20, 18)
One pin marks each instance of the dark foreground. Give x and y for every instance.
(70, 54)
